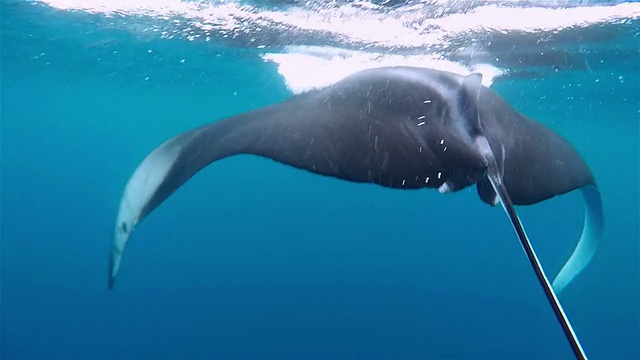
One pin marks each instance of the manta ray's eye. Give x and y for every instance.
(123, 227)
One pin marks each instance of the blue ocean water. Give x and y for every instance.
(253, 259)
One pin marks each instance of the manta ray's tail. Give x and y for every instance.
(591, 235)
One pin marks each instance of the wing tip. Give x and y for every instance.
(114, 265)
(592, 233)
(112, 273)
(112, 280)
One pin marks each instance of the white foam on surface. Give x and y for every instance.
(410, 26)
(305, 68)
(374, 35)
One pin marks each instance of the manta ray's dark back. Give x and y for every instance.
(394, 127)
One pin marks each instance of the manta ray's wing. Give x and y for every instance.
(530, 163)
(355, 130)
(539, 165)
(534, 164)
(501, 195)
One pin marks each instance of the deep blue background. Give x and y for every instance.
(255, 259)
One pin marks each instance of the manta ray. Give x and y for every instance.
(398, 127)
